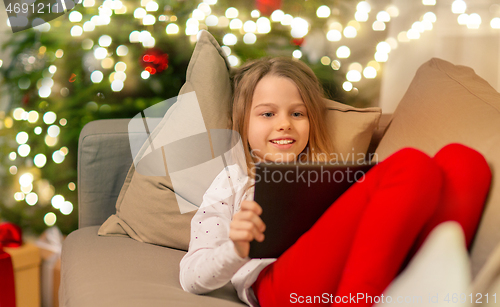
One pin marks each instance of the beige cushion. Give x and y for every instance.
(147, 209)
(444, 104)
(439, 268)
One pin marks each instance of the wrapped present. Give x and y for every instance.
(50, 245)
(25, 262)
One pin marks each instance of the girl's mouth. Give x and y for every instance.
(282, 143)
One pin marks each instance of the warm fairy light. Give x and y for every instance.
(18, 113)
(44, 91)
(76, 31)
(205, 8)
(26, 179)
(347, 86)
(458, 7)
(323, 11)
(139, 13)
(381, 56)
(88, 3)
(277, 15)
(122, 50)
(13, 170)
(88, 26)
(12, 156)
(226, 50)
(363, 6)
(117, 85)
(149, 20)
(429, 2)
(107, 63)
(233, 61)
(152, 6)
(300, 27)
(57, 157)
(235, 24)
(413, 34)
(353, 76)
(287, 20)
(22, 138)
(334, 35)
(66, 208)
(430, 16)
(343, 52)
(369, 72)
(495, 23)
(71, 186)
(19, 196)
(264, 25)
(335, 65)
(172, 28)
(361, 16)
(96, 76)
(134, 36)
(31, 198)
(52, 69)
(355, 66)
(393, 11)
(229, 39)
(50, 141)
(75, 16)
(249, 38)
(255, 14)
(297, 54)
(64, 150)
(50, 219)
(383, 16)
(350, 32)
(120, 66)
(105, 40)
(38, 130)
(211, 21)
(474, 21)
(378, 26)
(403, 37)
(49, 117)
(57, 201)
(26, 189)
(384, 47)
(100, 53)
(463, 19)
(145, 74)
(40, 160)
(53, 130)
(198, 14)
(325, 60)
(231, 12)
(250, 26)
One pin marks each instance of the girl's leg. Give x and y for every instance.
(467, 181)
(370, 228)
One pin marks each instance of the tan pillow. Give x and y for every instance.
(444, 104)
(147, 209)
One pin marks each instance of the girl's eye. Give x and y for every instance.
(267, 114)
(297, 114)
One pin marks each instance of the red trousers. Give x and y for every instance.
(365, 238)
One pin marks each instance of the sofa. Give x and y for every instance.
(112, 260)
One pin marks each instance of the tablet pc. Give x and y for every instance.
(294, 195)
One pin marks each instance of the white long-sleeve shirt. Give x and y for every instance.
(211, 261)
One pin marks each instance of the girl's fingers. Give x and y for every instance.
(252, 206)
(249, 230)
(246, 215)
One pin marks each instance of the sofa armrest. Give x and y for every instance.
(104, 159)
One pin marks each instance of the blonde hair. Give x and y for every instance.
(245, 79)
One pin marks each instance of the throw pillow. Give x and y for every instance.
(444, 104)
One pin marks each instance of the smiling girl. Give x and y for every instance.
(362, 241)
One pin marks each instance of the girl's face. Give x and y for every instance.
(278, 128)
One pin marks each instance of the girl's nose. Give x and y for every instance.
(284, 124)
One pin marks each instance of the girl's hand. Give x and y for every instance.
(246, 226)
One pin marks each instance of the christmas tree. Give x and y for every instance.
(113, 59)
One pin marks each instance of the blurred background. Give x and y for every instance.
(112, 59)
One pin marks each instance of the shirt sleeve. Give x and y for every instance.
(211, 260)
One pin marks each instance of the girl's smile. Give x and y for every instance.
(278, 125)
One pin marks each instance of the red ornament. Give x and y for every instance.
(266, 7)
(297, 41)
(154, 61)
(26, 99)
